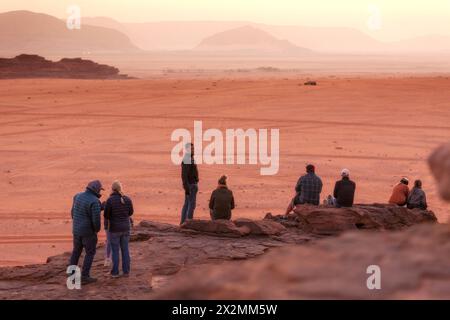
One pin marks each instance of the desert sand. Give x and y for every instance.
(56, 135)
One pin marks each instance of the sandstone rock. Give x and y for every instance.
(167, 251)
(331, 221)
(439, 162)
(414, 265)
(158, 226)
(217, 227)
(139, 236)
(261, 227)
(34, 66)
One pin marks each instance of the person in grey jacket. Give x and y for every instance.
(417, 197)
(86, 211)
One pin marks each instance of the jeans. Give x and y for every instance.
(89, 243)
(189, 203)
(108, 245)
(120, 240)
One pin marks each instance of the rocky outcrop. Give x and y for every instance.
(439, 162)
(238, 228)
(218, 227)
(160, 252)
(414, 264)
(325, 220)
(262, 227)
(34, 66)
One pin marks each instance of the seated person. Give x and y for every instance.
(308, 189)
(400, 193)
(417, 197)
(222, 201)
(344, 190)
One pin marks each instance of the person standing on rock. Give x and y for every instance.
(86, 210)
(308, 189)
(222, 201)
(400, 193)
(417, 197)
(189, 177)
(118, 210)
(344, 190)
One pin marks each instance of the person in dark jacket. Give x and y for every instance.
(344, 190)
(118, 210)
(417, 197)
(222, 201)
(86, 210)
(308, 189)
(189, 177)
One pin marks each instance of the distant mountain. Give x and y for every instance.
(174, 35)
(327, 39)
(185, 35)
(248, 39)
(105, 22)
(25, 31)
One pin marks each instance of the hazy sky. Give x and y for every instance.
(383, 19)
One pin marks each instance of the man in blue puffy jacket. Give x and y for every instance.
(86, 210)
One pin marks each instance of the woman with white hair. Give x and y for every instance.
(118, 210)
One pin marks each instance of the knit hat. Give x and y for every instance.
(345, 173)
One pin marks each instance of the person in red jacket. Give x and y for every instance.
(400, 193)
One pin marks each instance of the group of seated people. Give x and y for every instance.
(309, 188)
(414, 198)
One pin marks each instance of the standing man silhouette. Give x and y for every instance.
(189, 176)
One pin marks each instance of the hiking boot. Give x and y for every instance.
(87, 280)
(115, 276)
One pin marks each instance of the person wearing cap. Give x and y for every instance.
(86, 210)
(344, 190)
(400, 193)
(308, 189)
(417, 197)
(222, 201)
(118, 210)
